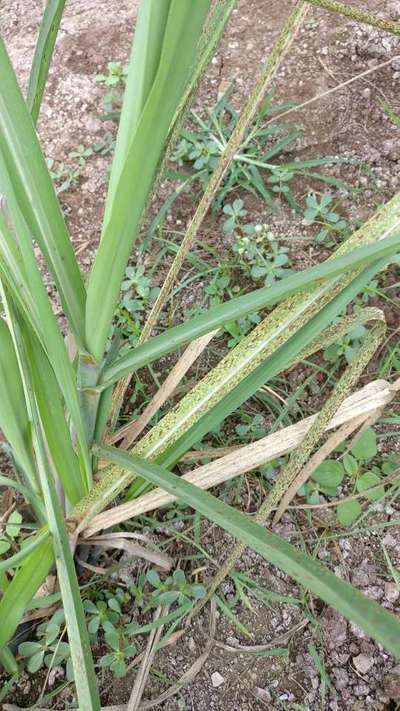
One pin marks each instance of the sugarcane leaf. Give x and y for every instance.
(241, 306)
(19, 270)
(14, 419)
(367, 614)
(24, 490)
(146, 51)
(43, 54)
(29, 546)
(122, 215)
(280, 359)
(35, 194)
(8, 662)
(52, 413)
(78, 637)
(23, 587)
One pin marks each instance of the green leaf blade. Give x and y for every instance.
(348, 512)
(168, 449)
(365, 445)
(35, 194)
(371, 480)
(23, 587)
(43, 54)
(14, 420)
(367, 614)
(243, 305)
(146, 52)
(329, 474)
(122, 216)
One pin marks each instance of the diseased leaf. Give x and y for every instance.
(367, 614)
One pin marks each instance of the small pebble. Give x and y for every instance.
(391, 149)
(55, 674)
(391, 684)
(363, 663)
(389, 540)
(232, 641)
(396, 64)
(392, 592)
(217, 680)
(262, 694)
(394, 10)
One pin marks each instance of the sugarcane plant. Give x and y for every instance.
(62, 383)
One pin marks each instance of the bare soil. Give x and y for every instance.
(351, 123)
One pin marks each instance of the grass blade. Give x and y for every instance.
(280, 359)
(15, 560)
(213, 30)
(200, 412)
(29, 495)
(131, 432)
(283, 329)
(243, 305)
(357, 15)
(35, 195)
(248, 457)
(12, 267)
(232, 147)
(367, 614)
(7, 660)
(19, 270)
(302, 454)
(23, 587)
(182, 32)
(52, 413)
(145, 58)
(14, 420)
(43, 54)
(78, 637)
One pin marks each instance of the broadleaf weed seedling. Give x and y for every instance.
(64, 176)
(108, 627)
(175, 589)
(49, 649)
(115, 82)
(323, 212)
(67, 175)
(258, 252)
(137, 295)
(10, 532)
(358, 468)
(121, 649)
(254, 168)
(346, 347)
